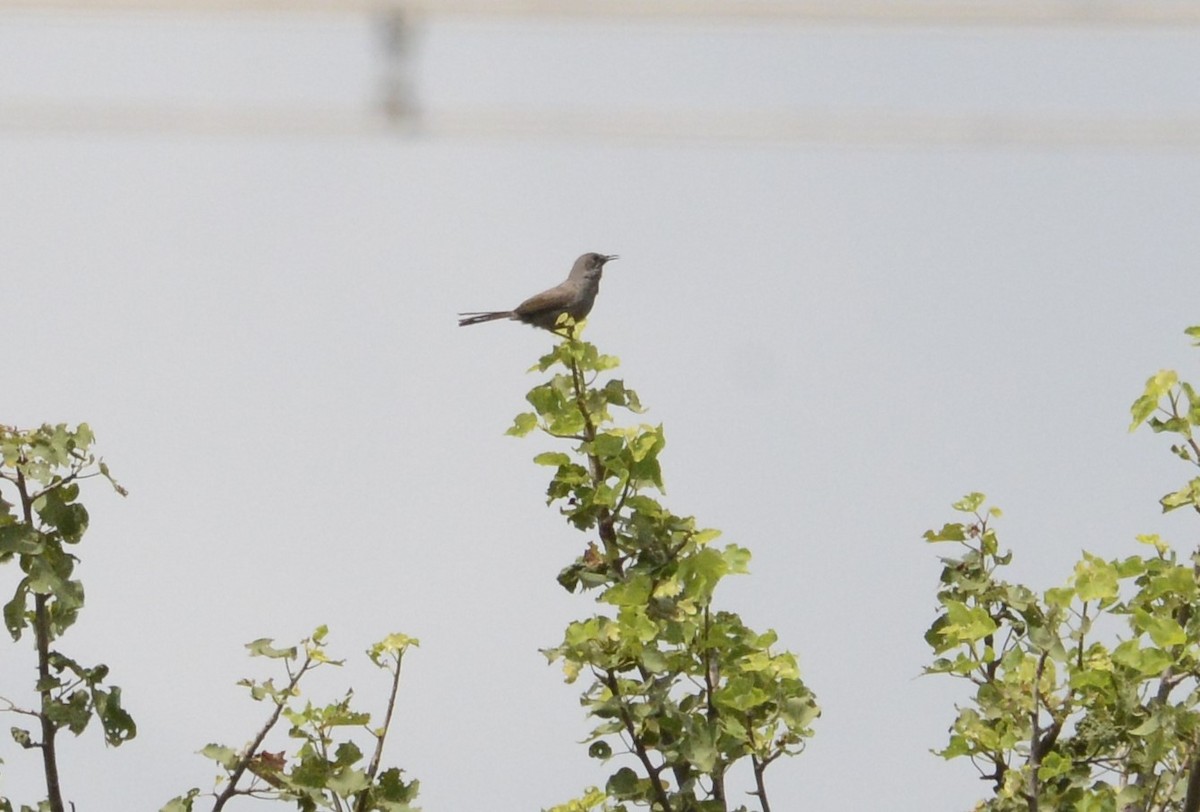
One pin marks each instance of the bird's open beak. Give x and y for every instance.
(610, 257)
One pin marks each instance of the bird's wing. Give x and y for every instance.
(546, 300)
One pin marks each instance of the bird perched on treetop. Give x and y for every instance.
(574, 297)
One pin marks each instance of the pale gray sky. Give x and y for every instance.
(841, 336)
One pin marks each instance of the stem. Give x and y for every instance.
(373, 770)
(1035, 735)
(244, 762)
(67, 480)
(608, 533)
(41, 623)
(1166, 684)
(1083, 623)
(41, 627)
(1191, 801)
(639, 747)
(712, 677)
(760, 767)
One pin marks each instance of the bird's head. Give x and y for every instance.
(590, 266)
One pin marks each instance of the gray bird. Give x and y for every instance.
(574, 297)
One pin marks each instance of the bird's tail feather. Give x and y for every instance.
(478, 318)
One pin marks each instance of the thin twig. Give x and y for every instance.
(373, 770)
(12, 708)
(67, 480)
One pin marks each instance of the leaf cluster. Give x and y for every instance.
(327, 769)
(679, 690)
(41, 520)
(1061, 718)
(1171, 406)
(1086, 696)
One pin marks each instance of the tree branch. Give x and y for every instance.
(604, 516)
(248, 756)
(760, 791)
(67, 480)
(41, 627)
(639, 748)
(1191, 801)
(373, 770)
(712, 678)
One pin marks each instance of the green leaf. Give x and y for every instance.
(552, 458)
(20, 539)
(633, 592)
(523, 424)
(969, 503)
(740, 694)
(655, 661)
(801, 711)
(262, 648)
(395, 644)
(1164, 631)
(312, 771)
(949, 532)
(1093, 679)
(607, 446)
(1189, 494)
(1060, 596)
(14, 611)
(55, 509)
(1156, 387)
(346, 781)
(967, 623)
(1054, 764)
(567, 423)
(74, 713)
(622, 783)
(737, 559)
(182, 803)
(648, 443)
(119, 726)
(1095, 578)
(227, 757)
(600, 750)
(1151, 725)
(701, 571)
(1155, 541)
(391, 787)
(700, 746)
(347, 753)
(1148, 661)
(635, 625)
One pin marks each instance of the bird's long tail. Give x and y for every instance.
(479, 318)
